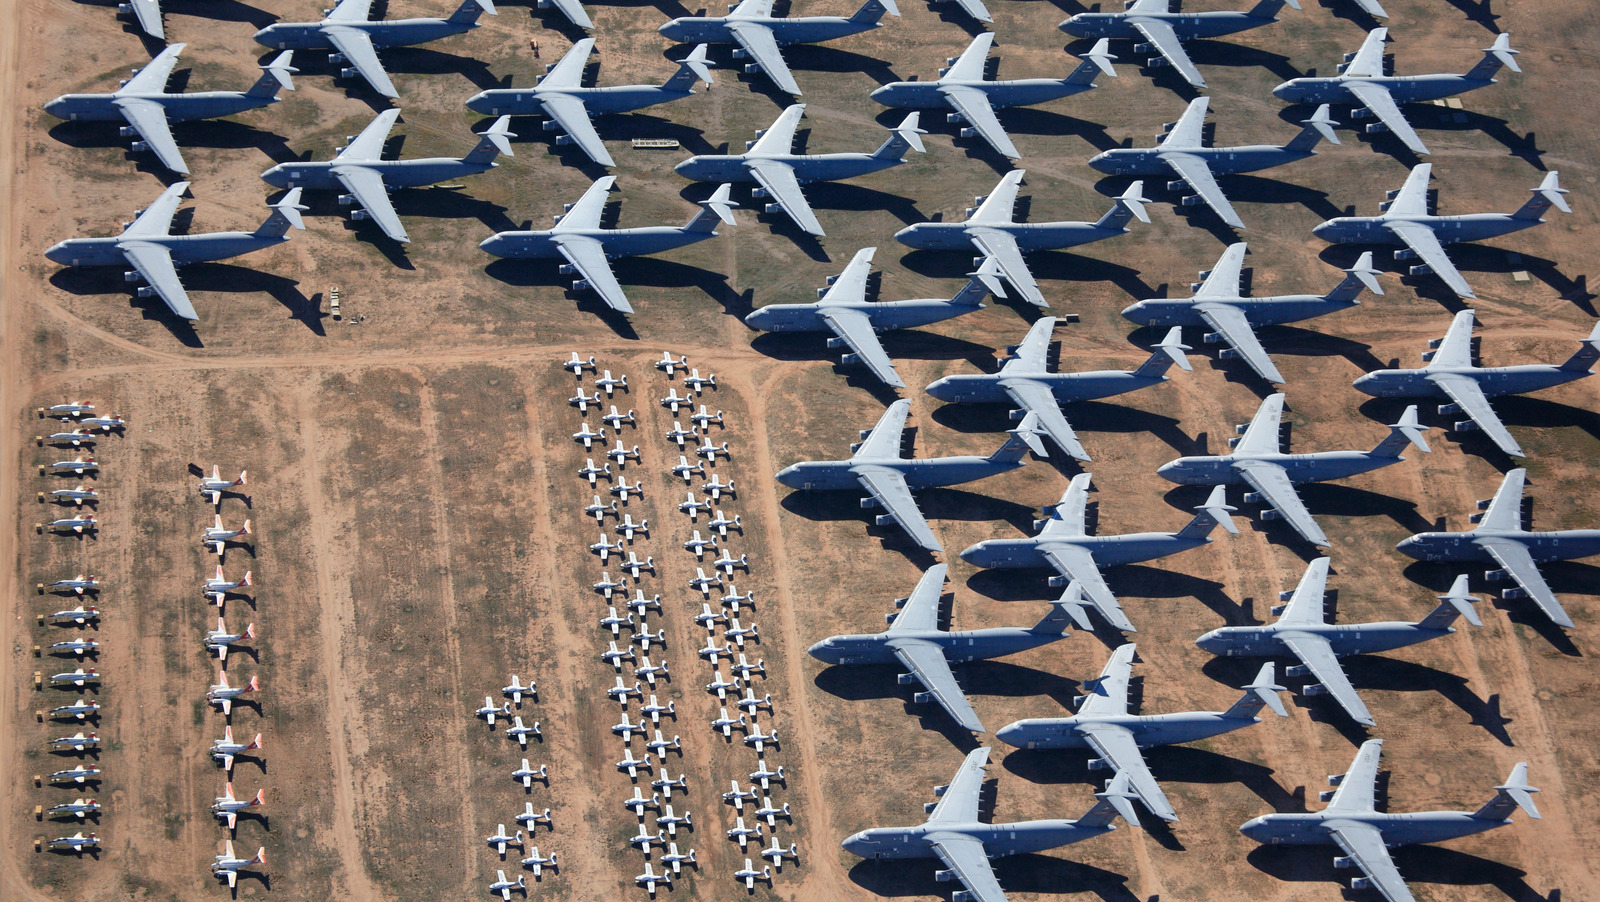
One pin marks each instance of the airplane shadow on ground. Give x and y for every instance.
(1319, 708)
(1045, 265)
(1563, 577)
(1018, 873)
(936, 504)
(977, 678)
(627, 126)
(632, 270)
(899, 344)
(1418, 864)
(1388, 674)
(108, 280)
(1518, 410)
(1470, 258)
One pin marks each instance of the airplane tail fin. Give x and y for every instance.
(1362, 275)
(469, 11)
(285, 213)
(694, 66)
(255, 684)
(1096, 61)
(715, 207)
(1494, 56)
(1208, 516)
(261, 797)
(905, 136)
(254, 743)
(1588, 351)
(1164, 354)
(495, 140)
(1261, 692)
(873, 10)
(980, 284)
(274, 75)
(1455, 603)
(1066, 611)
(1269, 9)
(1127, 206)
(1316, 129)
(1547, 195)
(1116, 801)
(1025, 437)
(246, 581)
(1514, 794)
(1407, 431)
(247, 527)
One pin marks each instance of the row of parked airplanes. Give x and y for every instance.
(529, 819)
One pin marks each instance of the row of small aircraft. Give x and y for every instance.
(529, 819)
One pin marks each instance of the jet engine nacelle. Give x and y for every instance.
(1513, 592)
(128, 131)
(145, 291)
(969, 132)
(954, 118)
(1364, 113)
(349, 72)
(1315, 689)
(961, 895)
(131, 276)
(359, 215)
(550, 125)
(126, 8)
(335, 59)
(943, 875)
(868, 503)
(1405, 253)
(773, 208)
(1421, 270)
(927, 808)
(759, 192)
(580, 285)
(836, 343)
(1296, 670)
(1252, 497)
(1057, 582)
(1144, 48)
(1272, 513)
(751, 68)
(921, 698)
(139, 146)
(1190, 200)
(1225, 353)
(544, 4)
(1463, 426)
(1099, 764)
(1361, 883)
(740, 53)
(1475, 518)
(563, 140)
(1497, 575)
(885, 520)
(567, 269)
(1376, 128)
(1016, 415)
(1178, 185)
(346, 200)
(1212, 338)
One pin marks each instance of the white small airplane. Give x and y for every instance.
(226, 749)
(750, 875)
(217, 587)
(744, 668)
(490, 710)
(633, 565)
(733, 599)
(693, 506)
(79, 808)
(621, 692)
(666, 783)
(605, 547)
(679, 435)
(611, 385)
(633, 765)
(660, 745)
(504, 887)
(515, 689)
(622, 490)
(697, 382)
(626, 728)
(78, 465)
(78, 584)
(654, 710)
(607, 585)
(589, 436)
(79, 677)
(685, 469)
(500, 839)
(720, 686)
(615, 623)
(78, 647)
(650, 671)
(77, 496)
(615, 656)
(83, 773)
(708, 450)
(78, 710)
(671, 820)
(219, 640)
(752, 704)
(640, 604)
(218, 536)
(645, 839)
(622, 455)
(726, 725)
(599, 510)
(727, 563)
(81, 742)
(576, 365)
(703, 582)
(76, 438)
(711, 651)
(639, 804)
(539, 863)
(76, 843)
(709, 618)
(216, 486)
(76, 524)
(669, 366)
(776, 853)
(716, 488)
(590, 472)
(582, 401)
(739, 633)
(530, 818)
(229, 865)
(649, 878)
(644, 637)
(673, 401)
(521, 733)
(628, 526)
(526, 775)
(772, 812)
(742, 834)
(79, 615)
(699, 546)
(104, 424)
(676, 861)
(67, 411)
(759, 739)
(222, 695)
(703, 419)
(767, 777)
(226, 808)
(737, 797)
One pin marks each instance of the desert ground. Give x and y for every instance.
(418, 533)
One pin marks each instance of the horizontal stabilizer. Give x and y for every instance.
(1029, 431)
(1174, 347)
(1501, 49)
(698, 63)
(499, 134)
(1119, 795)
(719, 203)
(280, 69)
(1550, 189)
(1367, 273)
(1323, 123)
(1133, 200)
(1517, 786)
(1100, 54)
(1459, 598)
(989, 274)
(1265, 686)
(1411, 429)
(910, 131)
(1218, 508)
(289, 205)
(1072, 602)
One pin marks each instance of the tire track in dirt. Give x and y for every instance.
(338, 612)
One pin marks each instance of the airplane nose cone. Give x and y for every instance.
(1101, 162)
(1136, 313)
(492, 245)
(1210, 642)
(971, 553)
(276, 177)
(879, 94)
(1410, 547)
(904, 234)
(264, 36)
(822, 651)
(1323, 230)
(1255, 828)
(855, 844)
(787, 475)
(1010, 734)
(758, 319)
(57, 253)
(1169, 471)
(1366, 384)
(940, 388)
(686, 167)
(54, 106)
(1285, 91)
(672, 31)
(479, 103)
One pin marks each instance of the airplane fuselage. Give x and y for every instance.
(884, 315)
(395, 173)
(1030, 236)
(1403, 88)
(1267, 311)
(959, 646)
(1315, 467)
(800, 30)
(1108, 551)
(999, 840)
(989, 388)
(1220, 160)
(926, 95)
(1494, 381)
(617, 242)
(1312, 829)
(1555, 545)
(1448, 229)
(835, 475)
(1345, 639)
(179, 107)
(1119, 26)
(824, 167)
(1149, 731)
(393, 33)
(184, 248)
(598, 101)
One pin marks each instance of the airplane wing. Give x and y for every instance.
(1514, 557)
(1376, 98)
(156, 220)
(927, 663)
(1425, 243)
(585, 214)
(568, 72)
(921, 610)
(1076, 563)
(350, 11)
(233, 878)
(1231, 322)
(975, 9)
(356, 45)
(589, 256)
(1455, 349)
(573, 117)
(368, 145)
(1167, 44)
(854, 328)
(1262, 436)
(1031, 356)
(757, 40)
(1036, 398)
(1412, 198)
(780, 182)
(1368, 61)
(149, 119)
(574, 12)
(1306, 605)
(148, 13)
(1068, 516)
(964, 855)
(959, 803)
(1107, 694)
(778, 138)
(1273, 483)
(1187, 133)
(1505, 510)
(1314, 652)
(1358, 787)
(883, 442)
(970, 65)
(1003, 248)
(367, 186)
(889, 488)
(1372, 8)
(850, 285)
(153, 262)
(1468, 394)
(752, 9)
(1225, 277)
(1364, 844)
(1116, 746)
(152, 79)
(974, 106)
(1193, 169)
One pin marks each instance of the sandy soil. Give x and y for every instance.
(418, 525)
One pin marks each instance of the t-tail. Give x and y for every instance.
(715, 207)
(693, 67)
(1406, 432)
(1547, 195)
(274, 75)
(495, 140)
(1025, 437)
(1069, 610)
(1261, 692)
(469, 11)
(1458, 602)
(1096, 61)
(873, 10)
(1127, 206)
(1514, 794)
(980, 284)
(1269, 9)
(1588, 351)
(1317, 128)
(1164, 354)
(1116, 801)
(1494, 56)
(1362, 275)
(1216, 511)
(285, 213)
(905, 136)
